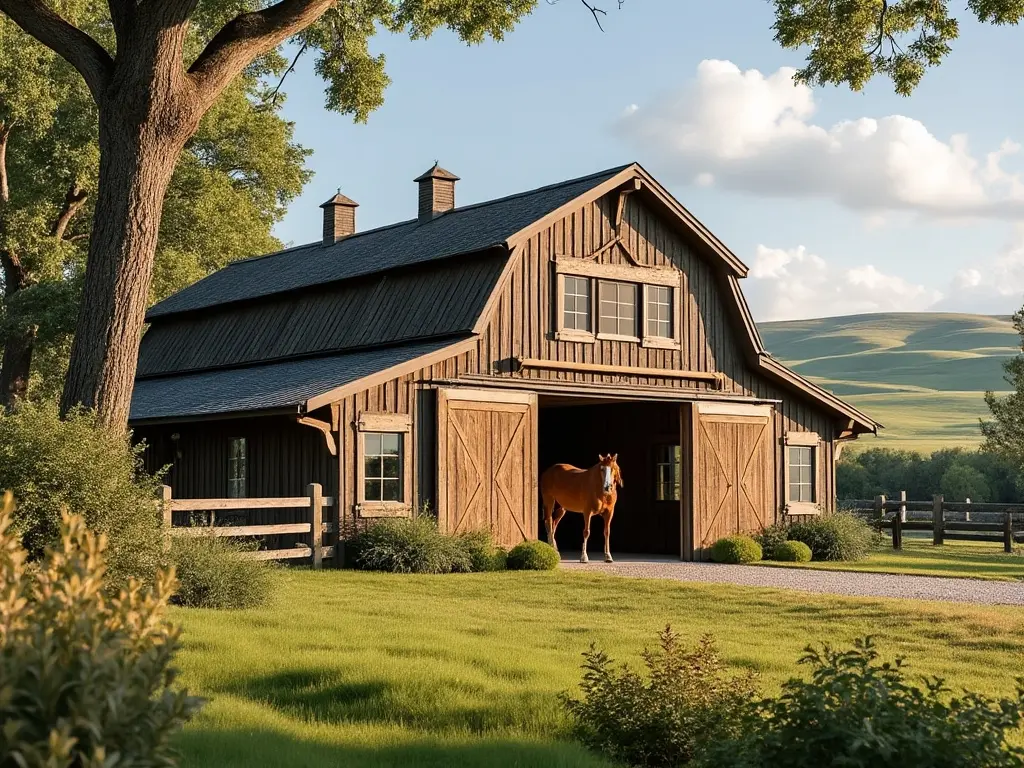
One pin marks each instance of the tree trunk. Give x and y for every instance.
(138, 150)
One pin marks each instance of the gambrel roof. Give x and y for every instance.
(361, 306)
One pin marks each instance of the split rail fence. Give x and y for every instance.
(947, 520)
(314, 501)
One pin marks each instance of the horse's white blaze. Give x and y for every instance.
(607, 478)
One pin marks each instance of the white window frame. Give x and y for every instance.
(385, 423)
(803, 440)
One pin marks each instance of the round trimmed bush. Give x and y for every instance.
(792, 552)
(736, 549)
(533, 556)
(839, 536)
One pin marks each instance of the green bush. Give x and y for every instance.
(483, 554)
(792, 552)
(771, 537)
(856, 711)
(533, 556)
(685, 704)
(213, 573)
(736, 549)
(839, 536)
(409, 545)
(85, 678)
(50, 464)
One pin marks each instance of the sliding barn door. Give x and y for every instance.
(734, 472)
(487, 463)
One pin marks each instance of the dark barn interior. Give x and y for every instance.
(645, 435)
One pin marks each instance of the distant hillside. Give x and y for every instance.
(921, 374)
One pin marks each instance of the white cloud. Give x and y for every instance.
(795, 284)
(750, 132)
(995, 286)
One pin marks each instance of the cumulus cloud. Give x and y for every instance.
(750, 132)
(794, 284)
(994, 286)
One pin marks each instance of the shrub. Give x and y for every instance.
(483, 554)
(771, 537)
(49, 464)
(533, 556)
(85, 678)
(839, 536)
(736, 549)
(212, 573)
(792, 552)
(685, 704)
(857, 711)
(409, 545)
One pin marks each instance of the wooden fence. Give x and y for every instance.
(314, 501)
(952, 521)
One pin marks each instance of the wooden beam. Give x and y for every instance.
(620, 209)
(325, 429)
(203, 505)
(618, 370)
(570, 265)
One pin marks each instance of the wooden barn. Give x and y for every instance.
(446, 360)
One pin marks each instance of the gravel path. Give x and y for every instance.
(828, 582)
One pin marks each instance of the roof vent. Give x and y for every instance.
(339, 218)
(437, 192)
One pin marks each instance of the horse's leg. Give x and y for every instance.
(586, 535)
(607, 515)
(549, 508)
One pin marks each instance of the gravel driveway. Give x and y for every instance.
(827, 582)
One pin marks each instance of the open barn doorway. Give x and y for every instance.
(646, 436)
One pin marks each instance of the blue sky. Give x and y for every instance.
(878, 215)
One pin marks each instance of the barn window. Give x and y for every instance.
(802, 472)
(659, 311)
(617, 313)
(382, 466)
(667, 466)
(576, 303)
(236, 468)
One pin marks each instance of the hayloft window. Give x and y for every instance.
(802, 472)
(617, 313)
(382, 461)
(236, 468)
(659, 311)
(667, 466)
(576, 303)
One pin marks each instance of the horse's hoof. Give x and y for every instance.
(608, 559)
(584, 559)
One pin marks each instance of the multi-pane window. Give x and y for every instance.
(659, 311)
(617, 308)
(382, 468)
(667, 466)
(576, 303)
(236, 468)
(801, 473)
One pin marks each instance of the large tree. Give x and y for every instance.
(154, 68)
(229, 187)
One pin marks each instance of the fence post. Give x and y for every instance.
(879, 507)
(165, 505)
(903, 506)
(316, 507)
(938, 529)
(967, 513)
(1008, 532)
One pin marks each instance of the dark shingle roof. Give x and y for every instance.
(462, 230)
(264, 387)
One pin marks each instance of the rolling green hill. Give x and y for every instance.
(922, 375)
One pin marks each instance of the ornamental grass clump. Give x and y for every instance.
(85, 677)
(409, 545)
(840, 536)
(215, 572)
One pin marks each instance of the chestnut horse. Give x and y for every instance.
(590, 492)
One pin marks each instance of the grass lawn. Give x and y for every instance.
(359, 669)
(920, 557)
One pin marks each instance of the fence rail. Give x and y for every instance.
(314, 501)
(988, 519)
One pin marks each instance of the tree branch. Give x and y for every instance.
(64, 39)
(246, 37)
(594, 10)
(73, 202)
(5, 190)
(271, 100)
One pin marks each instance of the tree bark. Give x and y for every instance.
(17, 358)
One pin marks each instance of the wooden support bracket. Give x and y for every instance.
(325, 428)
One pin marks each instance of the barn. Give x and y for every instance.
(444, 361)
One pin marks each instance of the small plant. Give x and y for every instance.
(533, 556)
(771, 537)
(858, 711)
(685, 704)
(792, 552)
(409, 545)
(213, 573)
(839, 536)
(85, 678)
(736, 549)
(483, 554)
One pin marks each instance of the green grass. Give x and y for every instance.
(923, 375)
(921, 558)
(362, 669)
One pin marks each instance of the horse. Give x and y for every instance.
(590, 492)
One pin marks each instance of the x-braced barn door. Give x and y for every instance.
(487, 463)
(734, 477)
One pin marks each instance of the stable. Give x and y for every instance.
(444, 361)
